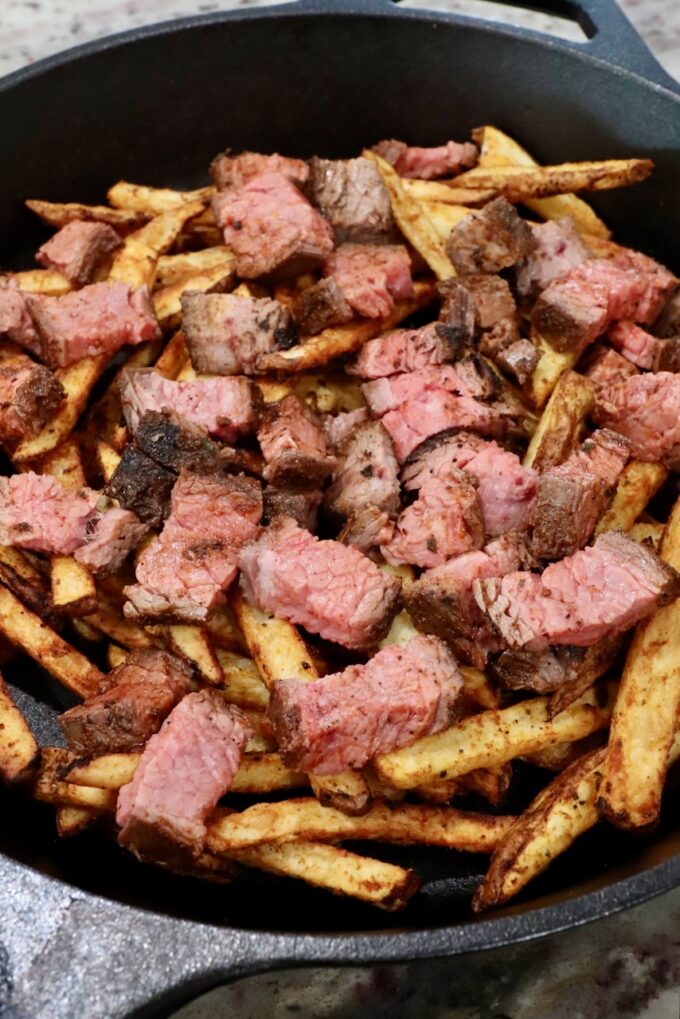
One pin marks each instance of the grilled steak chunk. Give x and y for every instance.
(341, 426)
(353, 198)
(294, 445)
(320, 306)
(143, 486)
(342, 720)
(407, 350)
(601, 590)
(367, 529)
(175, 444)
(138, 696)
(667, 323)
(636, 344)
(371, 276)
(233, 172)
(559, 248)
(16, 323)
(224, 407)
(577, 308)
(605, 367)
(301, 506)
(226, 333)
(497, 325)
(111, 537)
(329, 588)
(271, 227)
(185, 769)
(573, 496)
(444, 521)
(79, 249)
(99, 319)
(427, 164)
(646, 410)
(183, 574)
(38, 513)
(367, 474)
(458, 310)
(441, 601)
(29, 393)
(490, 239)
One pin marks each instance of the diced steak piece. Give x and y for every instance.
(605, 367)
(497, 326)
(341, 426)
(184, 574)
(226, 407)
(271, 227)
(559, 248)
(577, 308)
(601, 590)
(38, 513)
(444, 521)
(353, 198)
(294, 445)
(175, 444)
(78, 250)
(668, 355)
(667, 322)
(367, 474)
(573, 496)
(636, 344)
(437, 455)
(371, 276)
(490, 239)
(428, 163)
(320, 306)
(646, 410)
(492, 300)
(458, 310)
(16, 322)
(184, 770)
(99, 319)
(368, 529)
(407, 350)
(233, 172)
(138, 696)
(441, 601)
(301, 506)
(110, 538)
(29, 393)
(342, 720)
(329, 588)
(519, 358)
(142, 486)
(226, 333)
(506, 489)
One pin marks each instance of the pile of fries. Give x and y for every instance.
(605, 755)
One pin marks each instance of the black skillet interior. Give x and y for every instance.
(155, 106)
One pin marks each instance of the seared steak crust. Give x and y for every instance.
(322, 305)
(143, 486)
(490, 239)
(294, 446)
(352, 196)
(29, 393)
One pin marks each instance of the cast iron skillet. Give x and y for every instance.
(155, 105)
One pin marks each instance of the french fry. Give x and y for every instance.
(18, 748)
(558, 757)
(123, 631)
(73, 820)
(58, 214)
(331, 343)
(135, 262)
(499, 149)
(645, 715)
(552, 364)
(491, 738)
(242, 681)
(328, 392)
(150, 201)
(518, 183)
(175, 268)
(73, 588)
(224, 631)
(25, 629)
(561, 426)
(85, 630)
(337, 870)
(412, 221)
(638, 484)
(19, 573)
(41, 281)
(433, 792)
(280, 652)
(107, 460)
(167, 300)
(439, 191)
(492, 784)
(192, 643)
(647, 530)
(444, 217)
(116, 655)
(66, 794)
(64, 463)
(174, 357)
(305, 819)
(110, 771)
(104, 421)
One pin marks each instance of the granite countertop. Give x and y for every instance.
(625, 966)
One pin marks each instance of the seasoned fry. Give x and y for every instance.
(73, 589)
(174, 268)
(135, 262)
(296, 819)
(412, 221)
(561, 755)
(242, 682)
(328, 393)
(492, 784)
(116, 655)
(647, 530)
(123, 631)
(518, 183)
(73, 820)
(65, 463)
(167, 301)
(192, 643)
(21, 575)
(491, 738)
(154, 201)
(331, 343)
(224, 631)
(85, 630)
(18, 748)
(560, 428)
(58, 214)
(444, 217)
(41, 281)
(638, 484)
(440, 191)
(66, 794)
(551, 365)
(107, 460)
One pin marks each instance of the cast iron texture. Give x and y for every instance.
(155, 105)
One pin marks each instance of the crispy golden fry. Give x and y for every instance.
(116, 655)
(107, 460)
(400, 632)
(337, 870)
(135, 262)
(444, 217)
(331, 343)
(21, 575)
(174, 268)
(279, 653)
(478, 690)
(242, 682)
(193, 644)
(73, 588)
(18, 748)
(66, 464)
(58, 214)
(66, 794)
(123, 631)
(167, 301)
(41, 281)
(561, 755)
(561, 426)
(86, 631)
(412, 221)
(638, 484)
(518, 183)
(174, 357)
(498, 149)
(328, 393)
(104, 421)
(491, 738)
(110, 771)
(154, 201)
(492, 784)
(647, 530)
(645, 716)
(441, 192)
(73, 820)
(25, 629)
(551, 366)
(433, 792)
(78, 381)
(296, 819)
(224, 631)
